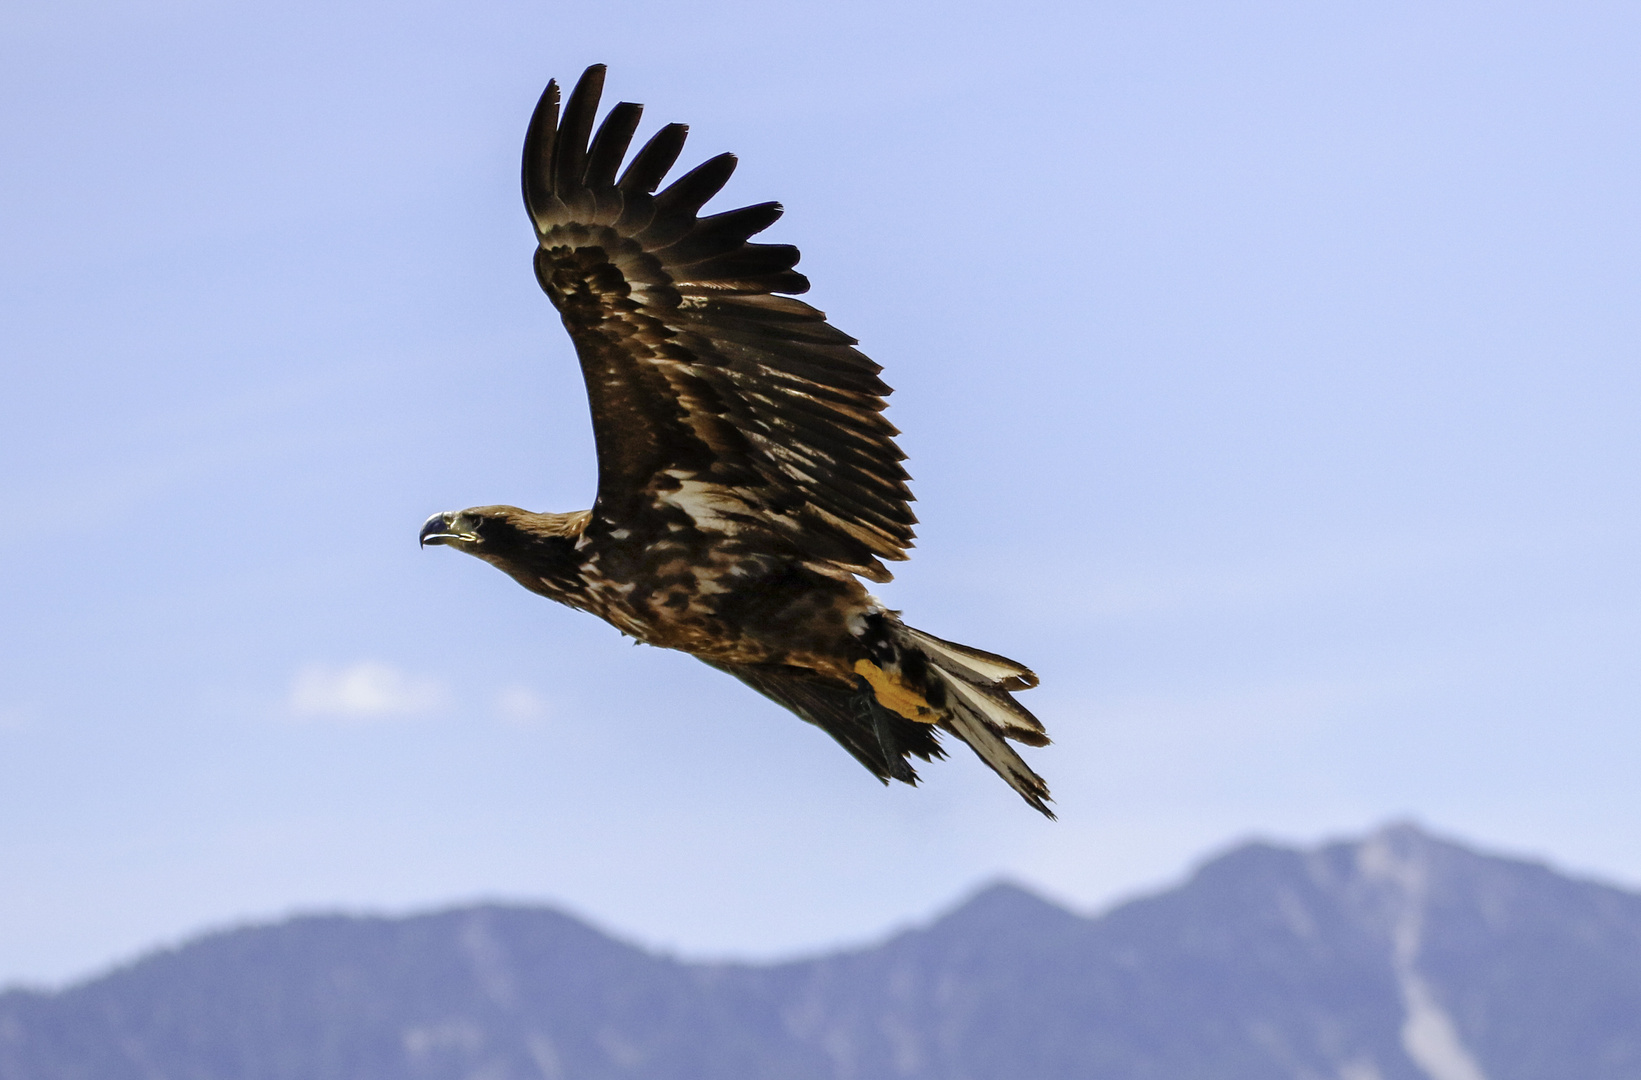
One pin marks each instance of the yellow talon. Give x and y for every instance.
(895, 695)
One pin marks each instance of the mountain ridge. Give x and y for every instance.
(1398, 956)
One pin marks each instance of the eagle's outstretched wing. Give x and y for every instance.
(709, 390)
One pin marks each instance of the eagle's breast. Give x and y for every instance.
(665, 580)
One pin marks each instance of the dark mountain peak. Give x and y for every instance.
(1409, 867)
(1249, 863)
(1399, 866)
(1398, 848)
(1002, 906)
(339, 941)
(1406, 832)
(1405, 847)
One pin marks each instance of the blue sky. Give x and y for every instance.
(1268, 372)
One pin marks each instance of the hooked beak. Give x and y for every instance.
(437, 530)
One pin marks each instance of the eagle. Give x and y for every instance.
(747, 477)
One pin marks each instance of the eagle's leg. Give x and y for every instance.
(871, 714)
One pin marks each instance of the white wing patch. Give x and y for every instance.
(710, 506)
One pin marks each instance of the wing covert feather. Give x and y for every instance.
(704, 380)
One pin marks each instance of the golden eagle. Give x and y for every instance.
(746, 474)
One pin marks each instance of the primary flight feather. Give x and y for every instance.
(746, 474)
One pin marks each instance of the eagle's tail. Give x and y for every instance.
(966, 691)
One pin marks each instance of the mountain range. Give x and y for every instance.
(1398, 956)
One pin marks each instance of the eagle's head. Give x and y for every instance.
(536, 550)
(466, 530)
(495, 532)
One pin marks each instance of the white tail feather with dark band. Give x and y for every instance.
(1002, 713)
(967, 718)
(974, 665)
(973, 692)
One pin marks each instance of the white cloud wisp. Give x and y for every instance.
(364, 691)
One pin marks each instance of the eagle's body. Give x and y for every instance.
(746, 472)
(664, 582)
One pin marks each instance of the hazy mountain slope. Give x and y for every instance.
(1396, 958)
(489, 991)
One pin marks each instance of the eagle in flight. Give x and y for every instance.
(747, 478)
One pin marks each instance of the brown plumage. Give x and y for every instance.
(747, 477)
